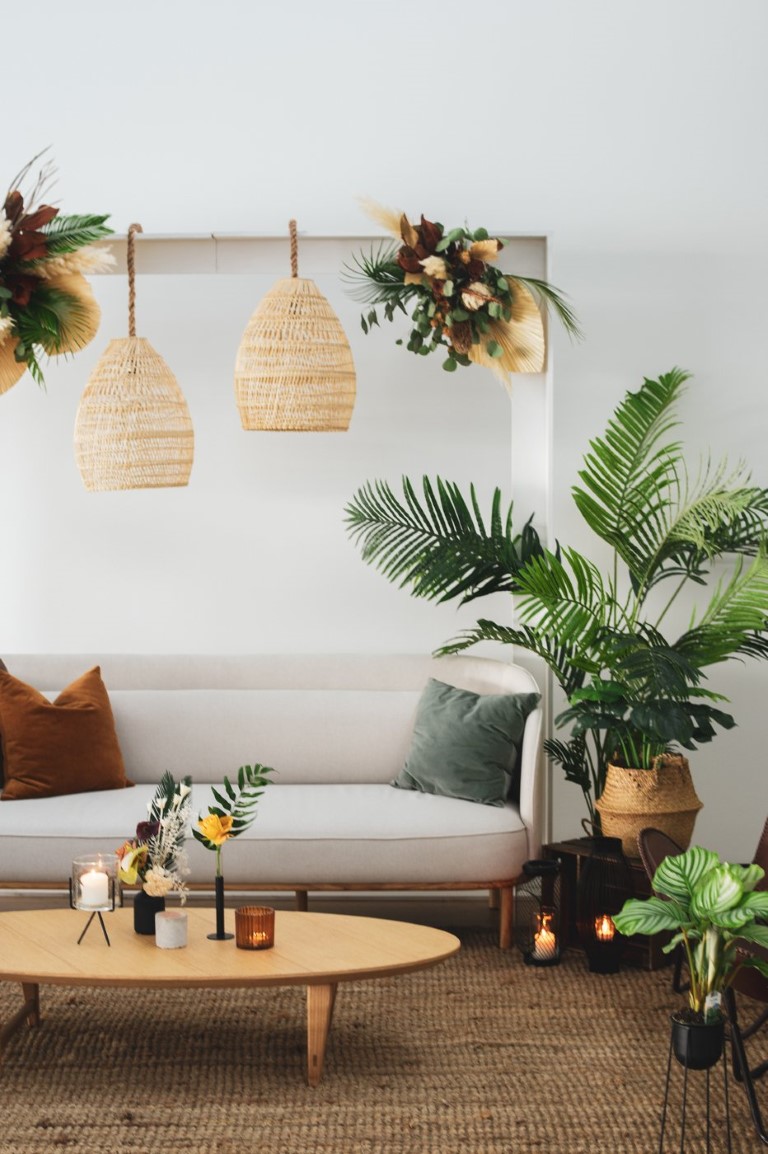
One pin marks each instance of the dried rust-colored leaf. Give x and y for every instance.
(430, 234)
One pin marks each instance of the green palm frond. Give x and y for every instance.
(440, 546)
(746, 532)
(644, 657)
(374, 277)
(69, 233)
(238, 801)
(164, 795)
(735, 620)
(558, 657)
(565, 598)
(723, 514)
(629, 479)
(552, 298)
(718, 502)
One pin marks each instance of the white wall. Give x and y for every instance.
(633, 133)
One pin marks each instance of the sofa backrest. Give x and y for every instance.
(315, 718)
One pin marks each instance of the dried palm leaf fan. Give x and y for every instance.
(133, 429)
(294, 370)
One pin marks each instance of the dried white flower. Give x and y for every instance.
(5, 234)
(435, 266)
(158, 882)
(6, 326)
(475, 295)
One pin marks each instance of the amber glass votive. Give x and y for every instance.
(255, 927)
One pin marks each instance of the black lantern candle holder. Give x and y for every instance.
(537, 913)
(604, 884)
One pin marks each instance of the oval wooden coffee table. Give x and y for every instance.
(39, 947)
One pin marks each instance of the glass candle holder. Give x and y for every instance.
(93, 884)
(545, 950)
(537, 913)
(255, 927)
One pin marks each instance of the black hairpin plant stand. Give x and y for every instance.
(688, 1064)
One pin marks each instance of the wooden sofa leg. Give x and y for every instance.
(506, 912)
(302, 902)
(493, 899)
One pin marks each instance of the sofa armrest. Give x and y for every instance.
(532, 794)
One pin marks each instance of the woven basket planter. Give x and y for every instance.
(133, 429)
(294, 368)
(662, 798)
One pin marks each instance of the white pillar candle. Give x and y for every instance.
(170, 929)
(94, 890)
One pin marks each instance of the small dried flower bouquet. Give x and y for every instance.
(156, 857)
(46, 304)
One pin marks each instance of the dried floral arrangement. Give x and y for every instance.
(46, 304)
(156, 857)
(455, 296)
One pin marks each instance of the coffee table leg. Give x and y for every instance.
(31, 992)
(320, 1002)
(29, 1012)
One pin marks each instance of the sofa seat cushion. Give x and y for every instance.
(303, 834)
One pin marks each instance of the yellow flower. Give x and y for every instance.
(215, 829)
(132, 858)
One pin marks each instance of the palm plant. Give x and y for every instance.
(631, 691)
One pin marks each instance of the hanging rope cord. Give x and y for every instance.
(131, 258)
(294, 248)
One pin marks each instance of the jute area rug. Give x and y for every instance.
(479, 1055)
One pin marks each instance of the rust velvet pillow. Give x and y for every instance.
(65, 746)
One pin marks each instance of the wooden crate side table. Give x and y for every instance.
(639, 950)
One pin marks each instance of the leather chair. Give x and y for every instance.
(654, 846)
(750, 983)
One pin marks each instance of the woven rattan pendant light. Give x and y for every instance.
(133, 429)
(294, 368)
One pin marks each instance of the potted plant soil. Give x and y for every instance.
(712, 907)
(635, 690)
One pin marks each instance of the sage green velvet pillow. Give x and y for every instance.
(466, 745)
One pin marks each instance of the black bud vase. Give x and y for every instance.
(220, 935)
(144, 910)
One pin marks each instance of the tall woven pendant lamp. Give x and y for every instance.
(294, 370)
(133, 429)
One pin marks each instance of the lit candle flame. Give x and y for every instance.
(604, 928)
(544, 940)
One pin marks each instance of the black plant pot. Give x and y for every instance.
(144, 910)
(697, 1045)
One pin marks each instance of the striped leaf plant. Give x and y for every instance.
(713, 910)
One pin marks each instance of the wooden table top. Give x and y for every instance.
(40, 946)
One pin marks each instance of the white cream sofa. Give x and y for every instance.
(336, 729)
